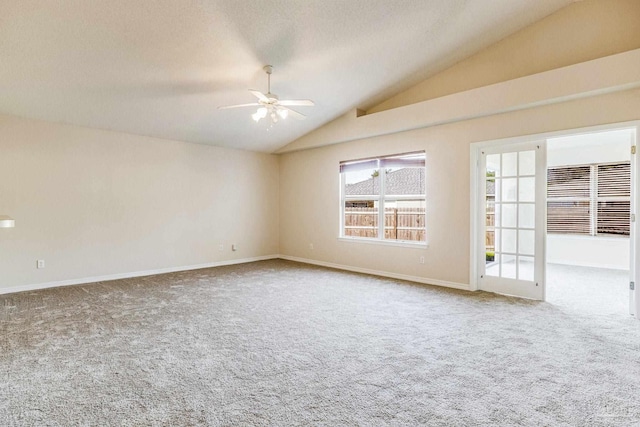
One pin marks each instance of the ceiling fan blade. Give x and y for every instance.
(297, 102)
(226, 107)
(293, 113)
(261, 96)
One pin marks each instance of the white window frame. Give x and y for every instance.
(380, 199)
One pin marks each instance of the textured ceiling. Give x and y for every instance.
(161, 68)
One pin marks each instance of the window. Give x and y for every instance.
(384, 198)
(589, 199)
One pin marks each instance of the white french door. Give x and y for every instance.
(512, 181)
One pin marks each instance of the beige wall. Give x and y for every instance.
(309, 191)
(93, 203)
(580, 32)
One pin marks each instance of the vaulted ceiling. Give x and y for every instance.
(161, 68)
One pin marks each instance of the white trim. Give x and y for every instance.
(386, 242)
(423, 280)
(609, 74)
(94, 279)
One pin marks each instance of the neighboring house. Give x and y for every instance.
(399, 182)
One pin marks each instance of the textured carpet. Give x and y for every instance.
(588, 289)
(277, 343)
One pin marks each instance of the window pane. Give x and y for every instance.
(509, 186)
(493, 267)
(360, 218)
(614, 180)
(509, 164)
(493, 165)
(509, 266)
(527, 163)
(526, 242)
(498, 213)
(509, 212)
(567, 217)
(508, 241)
(527, 215)
(525, 268)
(388, 189)
(364, 182)
(569, 181)
(614, 218)
(405, 220)
(527, 189)
(404, 181)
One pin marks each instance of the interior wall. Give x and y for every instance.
(309, 195)
(580, 32)
(94, 203)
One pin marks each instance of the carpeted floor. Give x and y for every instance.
(277, 343)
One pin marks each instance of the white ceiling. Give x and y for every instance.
(161, 68)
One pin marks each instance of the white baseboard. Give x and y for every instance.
(129, 275)
(94, 279)
(417, 279)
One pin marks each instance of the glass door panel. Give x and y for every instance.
(513, 180)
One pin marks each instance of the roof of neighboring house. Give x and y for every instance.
(401, 181)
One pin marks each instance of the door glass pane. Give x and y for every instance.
(526, 242)
(509, 215)
(498, 243)
(509, 164)
(498, 214)
(527, 163)
(527, 215)
(527, 189)
(509, 241)
(525, 268)
(493, 268)
(497, 189)
(493, 165)
(509, 266)
(509, 187)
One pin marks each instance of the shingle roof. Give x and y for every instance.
(401, 181)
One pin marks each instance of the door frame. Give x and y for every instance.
(476, 204)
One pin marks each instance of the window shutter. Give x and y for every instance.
(614, 180)
(568, 205)
(614, 184)
(569, 182)
(569, 217)
(614, 218)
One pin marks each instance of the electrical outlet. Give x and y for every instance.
(40, 263)
(311, 246)
(234, 247)
(221, 247)
(422, 259)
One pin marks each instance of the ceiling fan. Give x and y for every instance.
(269, 105)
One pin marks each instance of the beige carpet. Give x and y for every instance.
(277, 343)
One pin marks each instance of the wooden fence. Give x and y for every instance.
(490, 236)
(399, 223)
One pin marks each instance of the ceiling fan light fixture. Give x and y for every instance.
(260, 114)
(270, 105)
(283, 113)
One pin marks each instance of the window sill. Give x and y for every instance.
(400, 243)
